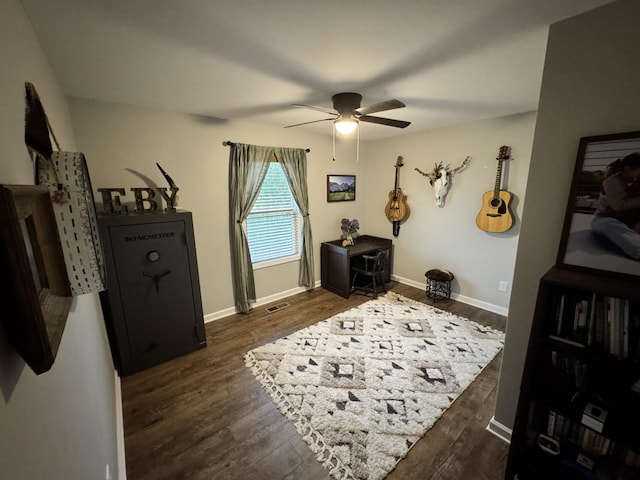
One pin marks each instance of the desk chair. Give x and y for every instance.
(373, 268)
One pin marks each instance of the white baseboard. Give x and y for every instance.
(456, 296)
(499, 430)
(211, 317)
(122, 459)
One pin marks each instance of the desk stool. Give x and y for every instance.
(439, 284)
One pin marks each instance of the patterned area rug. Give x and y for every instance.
(364, 386)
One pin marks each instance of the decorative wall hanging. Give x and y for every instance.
(495, 215)
(397, 209)
(67, 177)
(440, 179)
(76, 217)
(602, 221)
(341, 188)
(35, 296)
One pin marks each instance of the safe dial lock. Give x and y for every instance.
(153, 256)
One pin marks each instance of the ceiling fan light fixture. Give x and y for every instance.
(346, 125)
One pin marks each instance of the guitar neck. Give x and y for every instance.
(396, 184)
(496, 189)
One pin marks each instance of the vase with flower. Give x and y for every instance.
(349, 229)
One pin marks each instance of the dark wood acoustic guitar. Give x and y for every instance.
(495, 215)
(397, 209)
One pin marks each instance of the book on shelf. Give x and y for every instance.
(560, 315)
(608, 323)
(620, 328)
(572, 317)
(568, 341)
(612, 325)
(561, 425)
(632, 459)
(591, 443)
(570, 366)
(599, 321)
(580, 329)
(591, 321)
(551, 423)
(624, 338)
(594, 417)
(634, 333)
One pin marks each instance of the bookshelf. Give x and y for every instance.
(578, 414)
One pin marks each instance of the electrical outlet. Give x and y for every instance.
(502, 285)
(107, 474)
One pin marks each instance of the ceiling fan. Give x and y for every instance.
(347, 112)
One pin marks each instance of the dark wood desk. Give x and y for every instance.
(336, 261)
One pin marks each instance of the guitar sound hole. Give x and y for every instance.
(495, 202)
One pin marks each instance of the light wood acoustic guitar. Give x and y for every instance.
(495, 215)
(397, 209)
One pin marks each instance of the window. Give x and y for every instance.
(273, 226)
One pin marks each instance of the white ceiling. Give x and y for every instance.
(450, 61)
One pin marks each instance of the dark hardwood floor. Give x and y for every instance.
(204, 415)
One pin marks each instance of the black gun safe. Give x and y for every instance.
(152, 304)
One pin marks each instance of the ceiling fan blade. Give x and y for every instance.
(307, 123)
(384, 121)
(319, 109)
(380, 107)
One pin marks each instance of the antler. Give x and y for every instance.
(434, 174)
(462, 166)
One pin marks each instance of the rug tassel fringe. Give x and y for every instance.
(331, 462)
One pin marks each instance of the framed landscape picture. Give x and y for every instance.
(602, 222)
(341, 188)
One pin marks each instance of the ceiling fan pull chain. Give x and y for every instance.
(334, 142)
(358, 144)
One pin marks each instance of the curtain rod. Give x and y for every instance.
(227, 143)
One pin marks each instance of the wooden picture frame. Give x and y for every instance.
(341, 188)
(591, 246)
(35, 295)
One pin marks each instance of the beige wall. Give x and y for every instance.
(448, 237)
(61, 424)
(118, 139)
(590, 87)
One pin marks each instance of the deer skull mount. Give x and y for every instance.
(440, 179)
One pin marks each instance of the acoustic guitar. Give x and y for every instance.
(495, 215)
(397, 209)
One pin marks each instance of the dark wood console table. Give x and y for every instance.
(336, 261)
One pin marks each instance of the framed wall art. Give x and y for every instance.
(341, 188)
(601, 229)
(35, 295)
